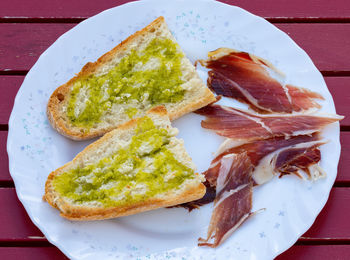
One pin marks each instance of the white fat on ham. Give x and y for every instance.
(256, 82)
(233, 202)
(243, 125)
(266, 169)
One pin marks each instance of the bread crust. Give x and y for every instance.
(205, 100)
(85, 213)
(57, 121)
(74, 212)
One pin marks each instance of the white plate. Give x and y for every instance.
(35, 149)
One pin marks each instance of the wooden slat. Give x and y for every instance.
(327, 44)
(317, 252)
(267, 8)
(4, 162)
(37, 253)
(55, 8)
(31, 40)
(331, 223)
(9, 86)
(295, 9)
(343, 169)
(338, 86)
(15, 223)
(344, 166)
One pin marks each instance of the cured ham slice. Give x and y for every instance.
(274, 156)
(241, 125)
(303, 158)
(291, 161)
(246, 77)
(233, 202)
(238, 165)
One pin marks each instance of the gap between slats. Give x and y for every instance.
(44, 243)
(324, 241)
(7, 184)
(345, 128)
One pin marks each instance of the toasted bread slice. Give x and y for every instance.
(137, 167)
(145, 70)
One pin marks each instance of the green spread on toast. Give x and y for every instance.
(131, 112)
(141, 170)
(152, 75)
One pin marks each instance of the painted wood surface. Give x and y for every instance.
(316, 252)
(344, 162)
(320, 27)
(328, 45)
(28, 253)
(342, 177)
(300, 252)
(4, 162)
(16, 225)
(9, 85)
(332, 223)
(319, 9)
(338, 86)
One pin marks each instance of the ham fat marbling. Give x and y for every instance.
(275, 156)
(247, 78)
(281, 137)
(243, 125)
(233, 202)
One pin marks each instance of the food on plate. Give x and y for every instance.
(146, 70)
(242, 125)
(139, 166)
(272, 144)
(233, 202)
(281, 137)
(281, 155)
(247, 78)
(208, 197)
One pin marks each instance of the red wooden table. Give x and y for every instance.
(320, 27)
